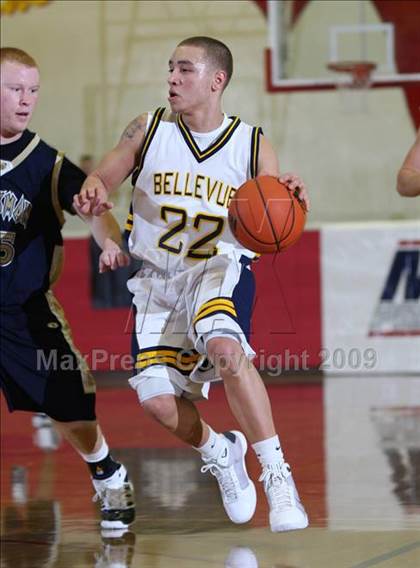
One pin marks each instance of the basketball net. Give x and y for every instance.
(353, 88)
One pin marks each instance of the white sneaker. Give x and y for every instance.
(237, 490)
(286, 510)
(116, 496)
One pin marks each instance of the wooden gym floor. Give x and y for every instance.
(353, 444)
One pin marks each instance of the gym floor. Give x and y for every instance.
(353, 444)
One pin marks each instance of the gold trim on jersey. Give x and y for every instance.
(177, 358)
(216, 306)
(87, 377)
(255, 149)
(56, 263)
(129, 221)
(157, 116)
(20, 157)
(54, 187)
(221, 141)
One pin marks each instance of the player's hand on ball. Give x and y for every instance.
(92, 200)
(265, 216)
(112, 257)
(296, 184)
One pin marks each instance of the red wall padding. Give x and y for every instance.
(287, 316)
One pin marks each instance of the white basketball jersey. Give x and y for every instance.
(182, 193)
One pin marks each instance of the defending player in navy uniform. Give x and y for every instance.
(193, 295)
(40, 368)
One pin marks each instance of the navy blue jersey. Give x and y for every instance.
(37, 183)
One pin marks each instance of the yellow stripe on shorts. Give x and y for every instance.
(173, 357)
(218, 305)
(225, 302)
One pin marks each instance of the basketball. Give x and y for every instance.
(265, 216)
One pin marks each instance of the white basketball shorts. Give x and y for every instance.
(176, 315)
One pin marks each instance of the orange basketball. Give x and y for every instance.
(265, 216)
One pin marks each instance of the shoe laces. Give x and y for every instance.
(225, 478)
(278, 490)
(114, 498)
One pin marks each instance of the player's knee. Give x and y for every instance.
(163, 409)
(226, 355)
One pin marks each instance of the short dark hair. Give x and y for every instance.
(15, 55)
(217, 51)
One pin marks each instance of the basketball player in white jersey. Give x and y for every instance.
(193, 295)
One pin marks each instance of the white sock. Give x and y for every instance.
(97, 456)
(269, 451)
(211, 449)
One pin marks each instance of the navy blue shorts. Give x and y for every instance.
(40, 368)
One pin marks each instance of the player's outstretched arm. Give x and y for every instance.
(408, 180)
(113, 169)
(268, 166)
(107, 234)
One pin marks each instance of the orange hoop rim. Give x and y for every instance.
(360, 70)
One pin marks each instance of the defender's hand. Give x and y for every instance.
(112, 257)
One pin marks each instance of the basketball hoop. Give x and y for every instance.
(360, 72)
(353, 90)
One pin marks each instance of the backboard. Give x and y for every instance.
(305, 37)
